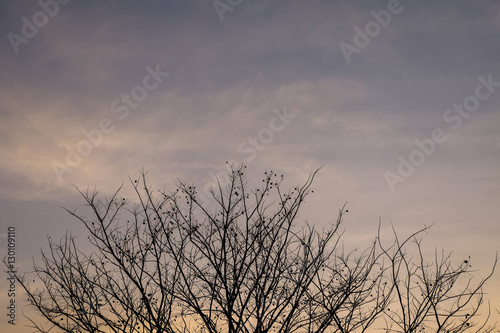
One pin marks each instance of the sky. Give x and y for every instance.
(397, 101)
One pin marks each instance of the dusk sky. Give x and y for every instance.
(398, 101)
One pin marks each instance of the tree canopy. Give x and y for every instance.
(243, 262)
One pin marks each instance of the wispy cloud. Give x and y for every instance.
(226, 78)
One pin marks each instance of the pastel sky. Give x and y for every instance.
(100, 90)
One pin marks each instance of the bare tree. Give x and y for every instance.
(166, 262)
(124, 286)
(434, 295)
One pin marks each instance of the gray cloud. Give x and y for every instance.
(226, 78)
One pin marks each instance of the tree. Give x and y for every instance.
(241, 263)
(437, 295)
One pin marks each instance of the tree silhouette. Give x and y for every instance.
(165, 262)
